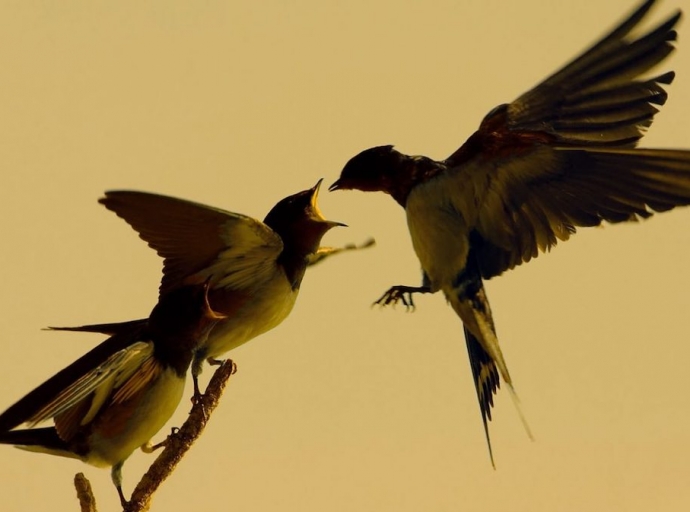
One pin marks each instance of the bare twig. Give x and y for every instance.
(324, 252)
(87, 501)
(176, 445)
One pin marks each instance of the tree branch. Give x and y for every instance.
(87, 501)
(176, 445)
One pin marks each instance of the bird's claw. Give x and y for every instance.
(150, 448)
(397, 294)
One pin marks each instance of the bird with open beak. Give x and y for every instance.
(116, 397)
(254, 268)
(560, 156)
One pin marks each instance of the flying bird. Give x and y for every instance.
(254, 268)
(560, 156)
(116, 397)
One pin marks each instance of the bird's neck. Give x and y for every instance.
(176, 357)
(294, 263)
(411, 171)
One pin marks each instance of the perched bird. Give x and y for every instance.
(116, 397)
(560, 156)
(254, 268)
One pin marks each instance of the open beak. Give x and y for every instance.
(317, 211)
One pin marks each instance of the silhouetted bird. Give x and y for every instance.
(115, 398)
(254, 268)
(560, 156)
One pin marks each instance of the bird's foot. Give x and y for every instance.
(150, 448)
(400, 293)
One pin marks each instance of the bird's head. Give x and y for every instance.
(299, 221)
(374, 169)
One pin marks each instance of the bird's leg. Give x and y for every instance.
(196, 371)
(324, 252)
(218, 362)
(401, 293)
(150, 448)
(197, 368)
(116, 476)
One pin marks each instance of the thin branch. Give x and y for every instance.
(325, 252)
(87, 501)
(176, 445)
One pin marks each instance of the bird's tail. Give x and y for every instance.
(468, 299)
(486, 382)
(42, 440)
(108, 329)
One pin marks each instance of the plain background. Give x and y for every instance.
(343, 407)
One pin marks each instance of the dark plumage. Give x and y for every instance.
(254, 269)
(559, 157)
(113, 399)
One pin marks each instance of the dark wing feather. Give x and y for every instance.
(533, 166)
(28, 408)
(596, 99)
(189, 236)
(532, 201)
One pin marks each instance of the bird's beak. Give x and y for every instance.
(335, 186)
(209, 312)
(317, 211)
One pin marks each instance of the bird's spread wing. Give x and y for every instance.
(597, 98)
(561, 155)
(540, 197)
(72, 383)
(197, 242)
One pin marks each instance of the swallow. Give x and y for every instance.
(116, 397)
(254, 269)
(559, 157)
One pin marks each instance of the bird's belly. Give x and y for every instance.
(261, 313)
(129, 428)
(439, 237)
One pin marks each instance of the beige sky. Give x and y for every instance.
(342, 408)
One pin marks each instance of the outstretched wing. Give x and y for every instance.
(197, 242)
(561, 155)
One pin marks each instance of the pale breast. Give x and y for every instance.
(439, 232)
(129, 425)
(264, 309)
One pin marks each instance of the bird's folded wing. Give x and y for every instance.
(71, 383)
(194, 238)
(101, 381)
(80, 404)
